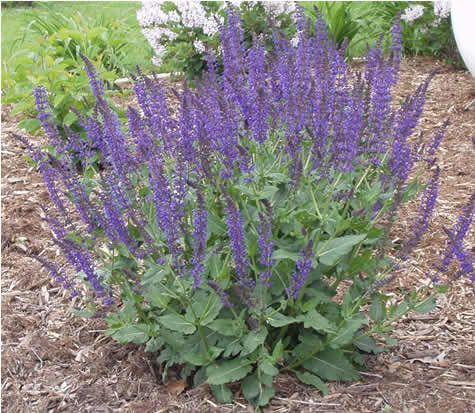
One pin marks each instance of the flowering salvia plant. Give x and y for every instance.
(244, 233)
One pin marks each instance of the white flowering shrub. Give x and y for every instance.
(427, 30)
(181, 32)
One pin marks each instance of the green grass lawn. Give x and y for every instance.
(17, 36)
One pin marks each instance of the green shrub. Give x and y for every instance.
(53, 60)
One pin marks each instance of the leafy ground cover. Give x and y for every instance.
(54, 361)
(15, 22)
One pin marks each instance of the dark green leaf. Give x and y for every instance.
(329, 252)
(267, 368)
(331, 365)
(250, 387)
(253, 340)
(207, 313)
(70, 118)
(222, 393)
(30, 125)
(278, 351)
(226, 327)
(346, 332)
(265, 395)
(281, 254)
(277, 319)
(178, 323)
(131, 334)
(228, 371)
(377, 311)
(158, 295)
(314, 320)
(309, 343)
(367, 344)
(312, 380)
(425, 306)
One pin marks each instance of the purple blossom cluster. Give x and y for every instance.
(155, 185)
(300, 275)
(456, 236)
(429, 199)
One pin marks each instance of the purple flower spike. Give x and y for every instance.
(459, 231)
(200, 222)
(238, 242)
(429, 199)
(304, 266)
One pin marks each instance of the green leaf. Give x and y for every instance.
(309, 343)
(216, 225)
(250, 387)
(346, 332)
(226, 327)
(367, 344)
(267, 192)
(280, 320)
(253, 340)
(222, 393)
(158, 296)
(329, 252)
(131, 334)
(377, 311)
(87, 312)
(200, 359)
(278, 351)
(196, 359)
(312, 380)
(269, 369)
(425, 306)
(205, 306)
(331, 365)
(212, 310)
(178, 323)
(281, 254)
(70, 118)
(265, 395)
(30, 125)
(228, 371)
(316, 321)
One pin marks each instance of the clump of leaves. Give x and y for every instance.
(246, 234)
(54, 61)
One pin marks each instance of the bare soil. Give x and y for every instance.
(53, 361)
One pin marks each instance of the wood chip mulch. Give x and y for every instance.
(53, 361)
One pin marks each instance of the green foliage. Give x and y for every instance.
(428, 35)
(51, 57)
(316, 336)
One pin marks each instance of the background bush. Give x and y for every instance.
(42, 46)
(180, 33)
(179, 38)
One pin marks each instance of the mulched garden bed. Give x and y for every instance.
(53, 361)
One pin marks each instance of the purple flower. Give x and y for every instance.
(401, 161)
(432, 149)
(265, 247)
(459, 232)
(300, 275)
(429, 199)
(200, 223)
(223, 295)
(238, 242)
(258, 108)
(58, 275)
